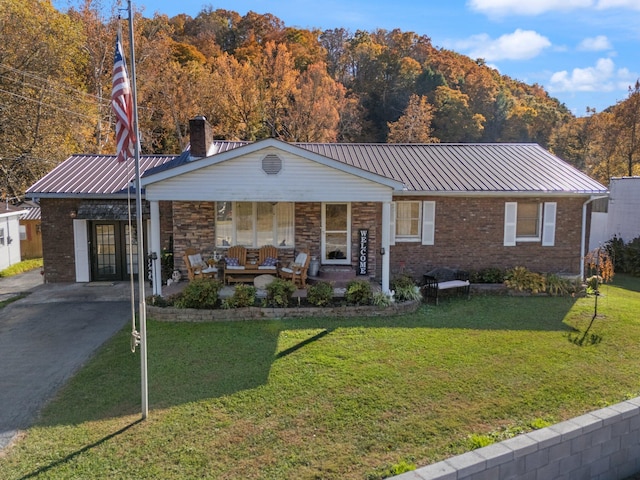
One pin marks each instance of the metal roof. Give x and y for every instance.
(33, 213)
(422, 168)
(464, 168)
(96, 175)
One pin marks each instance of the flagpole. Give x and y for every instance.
(140, 227)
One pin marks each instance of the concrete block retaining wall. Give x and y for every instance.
(601, 445)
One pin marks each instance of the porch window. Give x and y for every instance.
(254, 224)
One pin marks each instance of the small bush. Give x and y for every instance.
(557, 285)
(279, 293)
(320, 294)
(359, 292)
(405, 289)
(487, 275)
(523, 280)
(538, 423)
(381, 299)
(201, 293)
(243, 296)
(479, 441)
(401, 281)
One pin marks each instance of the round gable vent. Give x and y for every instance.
(272, 164)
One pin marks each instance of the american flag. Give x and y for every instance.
(122, 106)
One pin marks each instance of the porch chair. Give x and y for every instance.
(297, 271)
(268, 259)
(235, 260)
(196, 266)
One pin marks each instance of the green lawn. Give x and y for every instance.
(335, 398)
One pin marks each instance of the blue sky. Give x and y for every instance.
(586, 53)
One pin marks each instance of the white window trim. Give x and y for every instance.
(254, 219)
(410, 238)
(546, 227)
(323, 243)
(532, 238)
(427, 223)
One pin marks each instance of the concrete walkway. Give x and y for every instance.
(47, 336)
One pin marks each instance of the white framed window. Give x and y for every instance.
(254, 224)
(335, 245)
(413, 221)
(23, 233)
(530, 222)
(2, 238)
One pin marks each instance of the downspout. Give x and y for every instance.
(583, 240)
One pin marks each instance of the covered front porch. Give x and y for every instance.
(273, 193)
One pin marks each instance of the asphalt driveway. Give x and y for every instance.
(47, 336)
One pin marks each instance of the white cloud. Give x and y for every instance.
(530, 7)
(595, 44)
(632, 4)
(601, 78)
(519, 45)
(536, 7)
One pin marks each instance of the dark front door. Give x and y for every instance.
(110, 247)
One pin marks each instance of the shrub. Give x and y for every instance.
(521, 279)
(279, 293)
(243, 296)
(557, 285)
(381, 299)
(405, 289)
(488, 275)
(200, 293)
(625, 256)
(359, 292)
(320, 294)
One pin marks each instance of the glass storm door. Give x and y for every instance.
(336, 233)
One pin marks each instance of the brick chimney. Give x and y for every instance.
(200, 136)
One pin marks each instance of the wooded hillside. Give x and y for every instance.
(253, 77)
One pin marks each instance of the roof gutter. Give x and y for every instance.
(583, 240)
(494, 193)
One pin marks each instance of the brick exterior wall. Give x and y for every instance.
(58, 252)
(469, 234)
(194, 227)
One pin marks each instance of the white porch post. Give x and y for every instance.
(156, 247)
(384, 244)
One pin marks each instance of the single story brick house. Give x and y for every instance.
(376, 210)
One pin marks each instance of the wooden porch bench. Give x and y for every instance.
(440, 279)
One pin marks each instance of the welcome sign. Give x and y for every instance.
(363, 252)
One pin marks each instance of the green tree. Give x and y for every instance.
(454, 120)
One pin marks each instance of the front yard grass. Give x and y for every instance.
(335, 398)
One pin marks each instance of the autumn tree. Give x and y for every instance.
(414, 126)
(454, 120)
(627, 115)
(45, 112)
